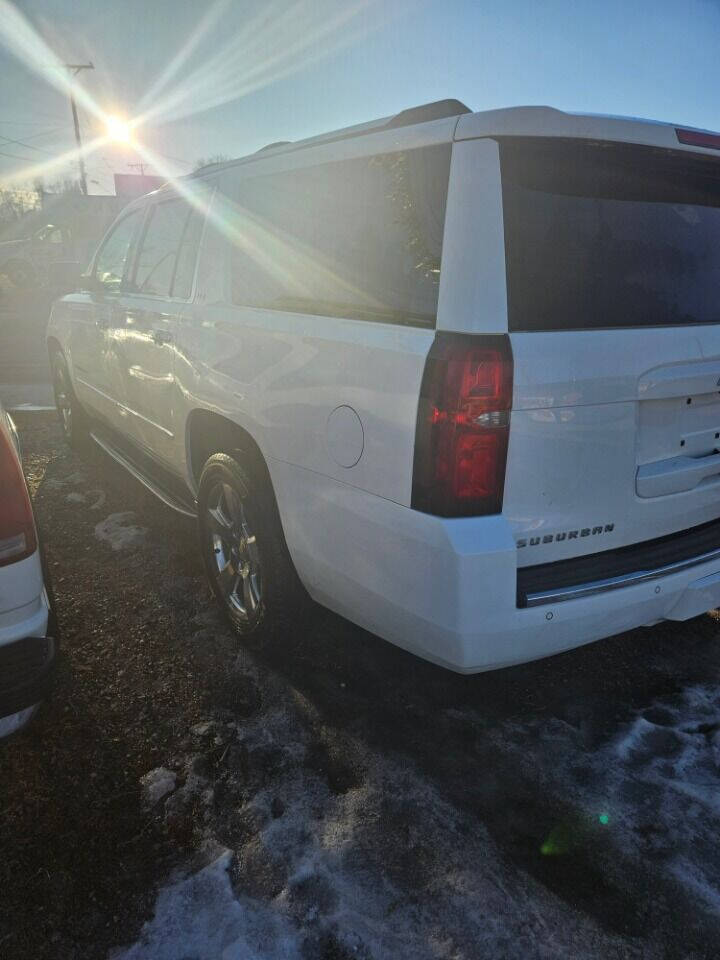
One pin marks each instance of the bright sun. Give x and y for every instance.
(118, 129)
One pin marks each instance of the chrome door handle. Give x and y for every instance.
(161, 336)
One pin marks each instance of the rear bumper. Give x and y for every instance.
(26, 671)
(28, 655)
(446, 590)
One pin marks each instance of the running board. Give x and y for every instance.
(169, 499)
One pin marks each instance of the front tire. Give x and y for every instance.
(244, 552)
(73, 419)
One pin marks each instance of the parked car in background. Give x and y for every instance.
(24, 261)
(65, 230)
(28, 631)
(455, 376)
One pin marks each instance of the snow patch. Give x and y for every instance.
(157, 784)
(341, 852)
(119, 531)
(200, 916)
(100, 499)
(70, 478)
(654, 784)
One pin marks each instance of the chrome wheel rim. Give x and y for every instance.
(62, 401)
(235, 556)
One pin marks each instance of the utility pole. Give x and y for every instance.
(75, 68)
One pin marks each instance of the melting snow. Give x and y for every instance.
(157, 784)
(119, 531)
(378, 866)
(200, 917)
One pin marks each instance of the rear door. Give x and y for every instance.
(91, 315)
(613, 282)
(143, 336)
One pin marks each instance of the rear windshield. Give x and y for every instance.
(609, 235)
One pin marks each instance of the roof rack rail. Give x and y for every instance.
(437, 110)
(428, 111)
(275, 143)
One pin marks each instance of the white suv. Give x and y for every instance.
(484, 463)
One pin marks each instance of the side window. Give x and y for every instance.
(50, 234)
(187, 256)
(155, 264)
(357, 238)
(112, 258)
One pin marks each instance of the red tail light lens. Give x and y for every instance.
(463, 426)
(17, 530)
(698, 138)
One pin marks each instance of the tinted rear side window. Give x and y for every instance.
(609, 235)
(187, 256)
(155, 265)
(112, 258)
(360, 238)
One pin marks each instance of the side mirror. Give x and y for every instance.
(63, 276)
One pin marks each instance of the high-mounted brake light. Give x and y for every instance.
(698, 138)
(463, 426)
(17, 530)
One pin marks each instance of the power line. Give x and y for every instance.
(14, 156)
(16, 123)
(48, 131)
(21, 143)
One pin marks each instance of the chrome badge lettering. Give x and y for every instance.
(566, 535)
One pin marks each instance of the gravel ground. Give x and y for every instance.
(331, 796)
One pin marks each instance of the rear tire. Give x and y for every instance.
(244, 551)
(74, 421)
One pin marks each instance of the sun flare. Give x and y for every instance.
(118, 129)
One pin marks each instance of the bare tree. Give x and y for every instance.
(15, 202)
(208, 161)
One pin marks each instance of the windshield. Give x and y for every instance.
(605, 235)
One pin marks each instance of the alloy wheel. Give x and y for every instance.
(63, 401)
(235, 555)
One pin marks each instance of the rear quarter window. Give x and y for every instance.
(358, 238)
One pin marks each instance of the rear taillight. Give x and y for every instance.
(699, 138)
(17, 530)
(463, 426)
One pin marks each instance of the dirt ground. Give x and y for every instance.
(368, 805)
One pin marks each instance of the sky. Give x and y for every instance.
(228, 76)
